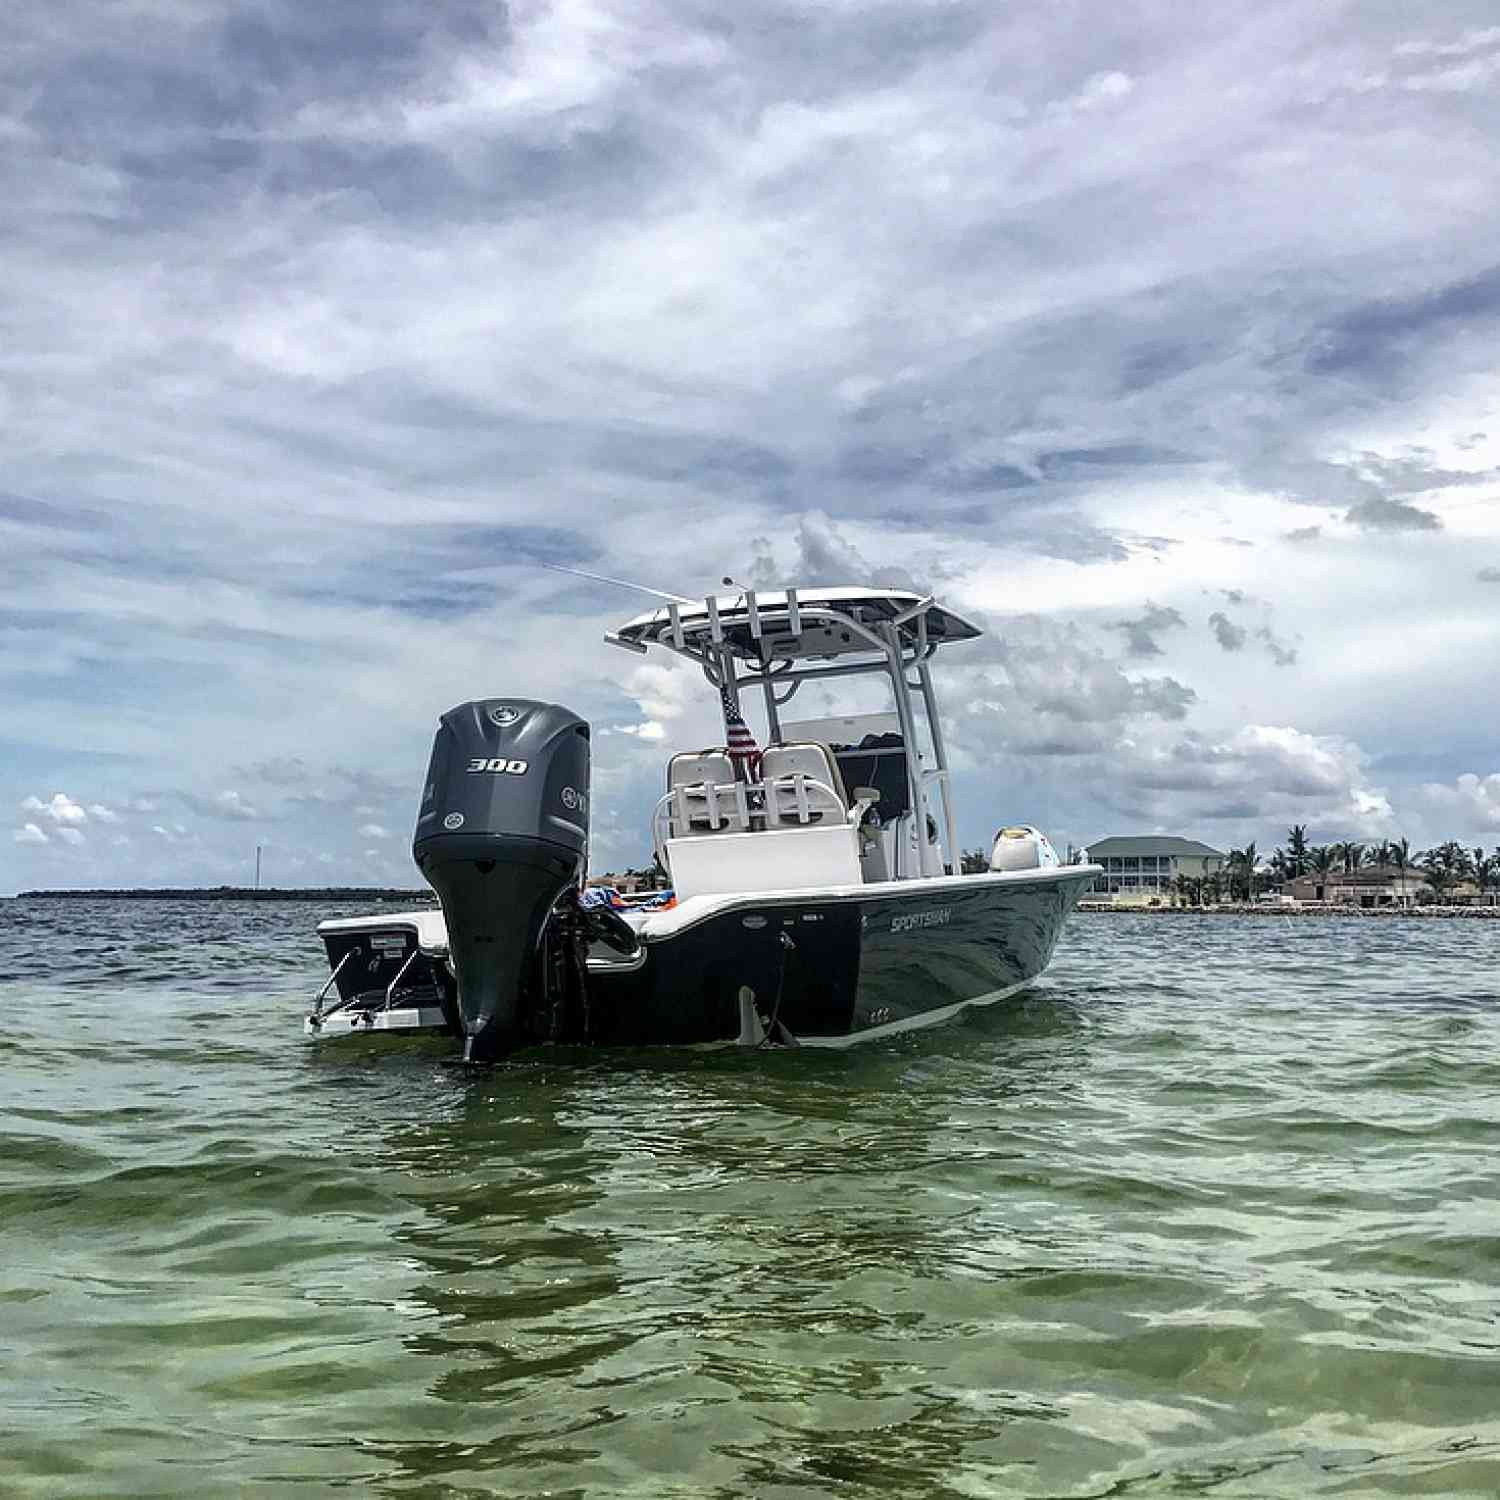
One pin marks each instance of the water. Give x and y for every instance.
(1211, 1209)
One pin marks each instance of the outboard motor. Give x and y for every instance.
(501, 836)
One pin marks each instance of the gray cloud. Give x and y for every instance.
(819, 554)
(1304, 534)
(1034, 686)
(1375, 338)
(1280, 653)
(1141, 633)
(1230, 636)
(1391, 515)
(1488, 575)
(226, 806)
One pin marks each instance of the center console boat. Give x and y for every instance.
(817, 897)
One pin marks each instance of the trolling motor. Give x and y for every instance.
(502, 837)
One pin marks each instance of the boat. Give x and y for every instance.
(817, 893)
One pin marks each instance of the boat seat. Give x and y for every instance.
(707, 797)
(803, 785)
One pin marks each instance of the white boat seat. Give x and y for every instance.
(803, 785)
(706, 795)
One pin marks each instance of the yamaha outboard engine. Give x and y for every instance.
(502, 835)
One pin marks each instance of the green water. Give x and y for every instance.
(1210, 1210)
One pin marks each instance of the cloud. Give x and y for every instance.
(1266, 773)
(1391, 515)
(1230, 636)
(1034, 686)
(29, 834)
(60, 809)
(279, 771)
(1141, 633)
(395, 304)
(1280, 653)
(821, 553)
(373, 831)
(1488, 575)
(227, 805)
(73, 836)
(1471, 801)
(102, 814)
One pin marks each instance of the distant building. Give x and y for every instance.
(1375, 885)
(630, 882)
(1143, 869)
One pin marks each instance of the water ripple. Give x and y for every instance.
(1211, 1208)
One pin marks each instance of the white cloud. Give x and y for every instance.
(29, 834)
(373, 831)
(1472, 802)
(73, 836)
(60, 809)
(103, 814)
(1103, 89)
(647, 729)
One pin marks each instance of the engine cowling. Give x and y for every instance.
(501, 834)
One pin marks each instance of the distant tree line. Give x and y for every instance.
(239, 893)
(1427, 875)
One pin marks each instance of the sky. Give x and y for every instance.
(1158, 339)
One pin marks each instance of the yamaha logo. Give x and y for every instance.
(505, 714)
(570, 799)
(453, 820)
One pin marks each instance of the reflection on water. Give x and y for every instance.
(1211, 1208)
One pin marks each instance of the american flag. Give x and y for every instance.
(743, 751)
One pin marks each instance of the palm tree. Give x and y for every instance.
(1486, 870)
(1298, 859)
(1248, 858)
(1378, 856)
(1400, 856)
(1444, 866)
(1353, 853)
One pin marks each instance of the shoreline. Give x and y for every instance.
(1399, 913)
(238, 893)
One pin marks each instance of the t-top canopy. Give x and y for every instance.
(782, 624)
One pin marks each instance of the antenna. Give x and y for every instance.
(619, 583)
